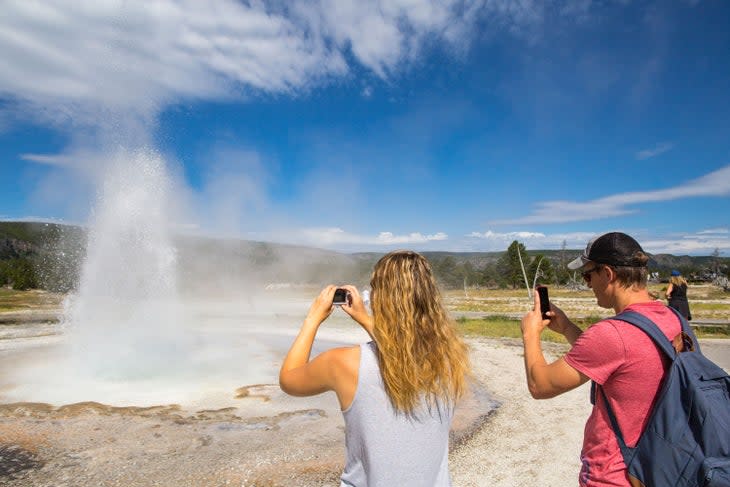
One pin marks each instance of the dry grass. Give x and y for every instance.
(12, 434)
(706, 302)
(12, 300)
(496, 312)
(500, 327)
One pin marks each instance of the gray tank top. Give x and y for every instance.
(388, 449)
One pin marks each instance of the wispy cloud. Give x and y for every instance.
(716, 183)
(388, 238)
(659, 149)
(700, 243)
(336, 238)
(490, 235)
(496, 241)
(715, 231)
(145, 55)
(61, 160)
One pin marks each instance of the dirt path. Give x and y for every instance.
(526, 442)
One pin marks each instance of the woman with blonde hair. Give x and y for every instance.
(677, 294)
(397, 392)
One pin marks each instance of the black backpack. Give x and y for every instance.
(686, 442)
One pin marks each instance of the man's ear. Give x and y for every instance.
(611, 273)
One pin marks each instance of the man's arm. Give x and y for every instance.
(548, 380)
(545, 381)
(560, 323)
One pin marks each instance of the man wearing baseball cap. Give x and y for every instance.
(619, 357)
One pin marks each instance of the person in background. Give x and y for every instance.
(397, 392)
(677, 294)
(620, 358)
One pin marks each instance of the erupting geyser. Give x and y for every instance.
(129, 337)
(126, 321)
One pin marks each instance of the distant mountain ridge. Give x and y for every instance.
(57, 251)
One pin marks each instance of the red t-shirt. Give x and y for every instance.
(629, 367)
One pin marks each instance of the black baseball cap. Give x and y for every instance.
(614, 248)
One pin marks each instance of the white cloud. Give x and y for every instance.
(141, 54)
(697, 243)
(490, 235)
(498, 241)
(61, 160)
(144, 54)
(716, 183)
(388, 238)
(714, 231)
(335, 237)
(659, 149)
(63, 56)
(690, 244)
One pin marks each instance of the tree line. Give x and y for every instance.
(504, 271)
(551, 269)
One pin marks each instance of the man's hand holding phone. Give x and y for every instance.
(536, 319)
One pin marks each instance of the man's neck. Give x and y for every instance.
(627, 297)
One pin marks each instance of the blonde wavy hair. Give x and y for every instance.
(678, 280)
(420, 353)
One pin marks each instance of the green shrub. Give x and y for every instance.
(18, 273)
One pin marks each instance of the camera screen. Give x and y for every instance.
(340, 296)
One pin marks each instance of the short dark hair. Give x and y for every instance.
(633, 275)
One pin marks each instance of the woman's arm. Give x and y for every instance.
(668, 292)
(298, 376)
(333, 370)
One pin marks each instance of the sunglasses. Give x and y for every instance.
(587, 274)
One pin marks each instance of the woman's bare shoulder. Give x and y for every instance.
(345, 357)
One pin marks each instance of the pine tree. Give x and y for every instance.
(509, 264)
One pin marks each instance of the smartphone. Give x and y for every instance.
(542, 291)
(340, 296)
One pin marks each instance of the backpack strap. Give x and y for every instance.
(625, 450)
(655, 333)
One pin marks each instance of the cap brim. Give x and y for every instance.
(577, 263)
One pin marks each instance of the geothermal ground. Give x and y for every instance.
(216, 417)
(213, 416)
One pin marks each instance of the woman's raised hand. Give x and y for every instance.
(355, 307)
(321, 307)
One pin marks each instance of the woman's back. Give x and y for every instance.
(385, 448)
(678, 297)
(679, 292)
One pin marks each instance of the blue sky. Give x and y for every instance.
(356, 125)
